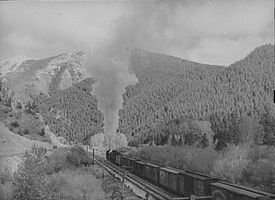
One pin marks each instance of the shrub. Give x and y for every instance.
(19, 105)
(29, 180)
(6, 191)
(184, 157)
(15, 124)
(57, 161)
(250, 165)
(76, 184)
(5, 184)
(5, 176)
(26, 131)
(231, 163)
(202, 159)
(113, 189)
(260, 173)
(42, 132)
(78, 156)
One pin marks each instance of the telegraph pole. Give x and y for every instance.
(93, 156)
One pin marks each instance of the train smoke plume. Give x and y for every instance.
(109, 61)
(109, 66)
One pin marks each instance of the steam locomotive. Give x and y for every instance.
(186, 183)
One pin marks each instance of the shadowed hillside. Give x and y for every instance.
(73, 113)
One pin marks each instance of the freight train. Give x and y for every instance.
(185, 183)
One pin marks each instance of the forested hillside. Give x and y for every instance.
(173, 93)
(72, 113)
(51, 91)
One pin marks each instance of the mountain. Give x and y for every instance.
(28, 77)
(175, 100)
(172, 93)
(55, 91)
(11, 64)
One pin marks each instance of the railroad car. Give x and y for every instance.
(225, 191)
(112, 156)
(124, 160)
(128, 162)
(152, 172)
(118, 160)
(195, 183)
(168, 178)
(131, 163)
(185, 183)
(140, 168)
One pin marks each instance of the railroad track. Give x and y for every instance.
(149, 188)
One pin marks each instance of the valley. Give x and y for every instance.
(177, 106)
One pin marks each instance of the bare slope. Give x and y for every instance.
(34, 76)
(13, 144)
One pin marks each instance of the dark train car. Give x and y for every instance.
(136, 165)
(139, 168)
(194, 183)
(128, 162)
(224, 191)
(152, 172)
(131, 163)
(119, 160)
(124, 160)
(112, 156)
(168, 178)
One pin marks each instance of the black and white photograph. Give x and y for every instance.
(137, 100)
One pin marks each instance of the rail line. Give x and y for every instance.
(149, 188)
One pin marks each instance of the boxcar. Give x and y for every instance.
(131, 163)
(118, 160)
(168, 178)
(112, 156)
(152, 172)
(225, 191)
(139, 168)
(194, 183)
(124, 161)
(128, 162)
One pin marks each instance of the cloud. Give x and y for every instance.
(179, 28)
(176, 28)
(229, 18)
(220, 51)
(74, 25)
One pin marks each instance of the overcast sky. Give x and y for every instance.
(214, 32)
